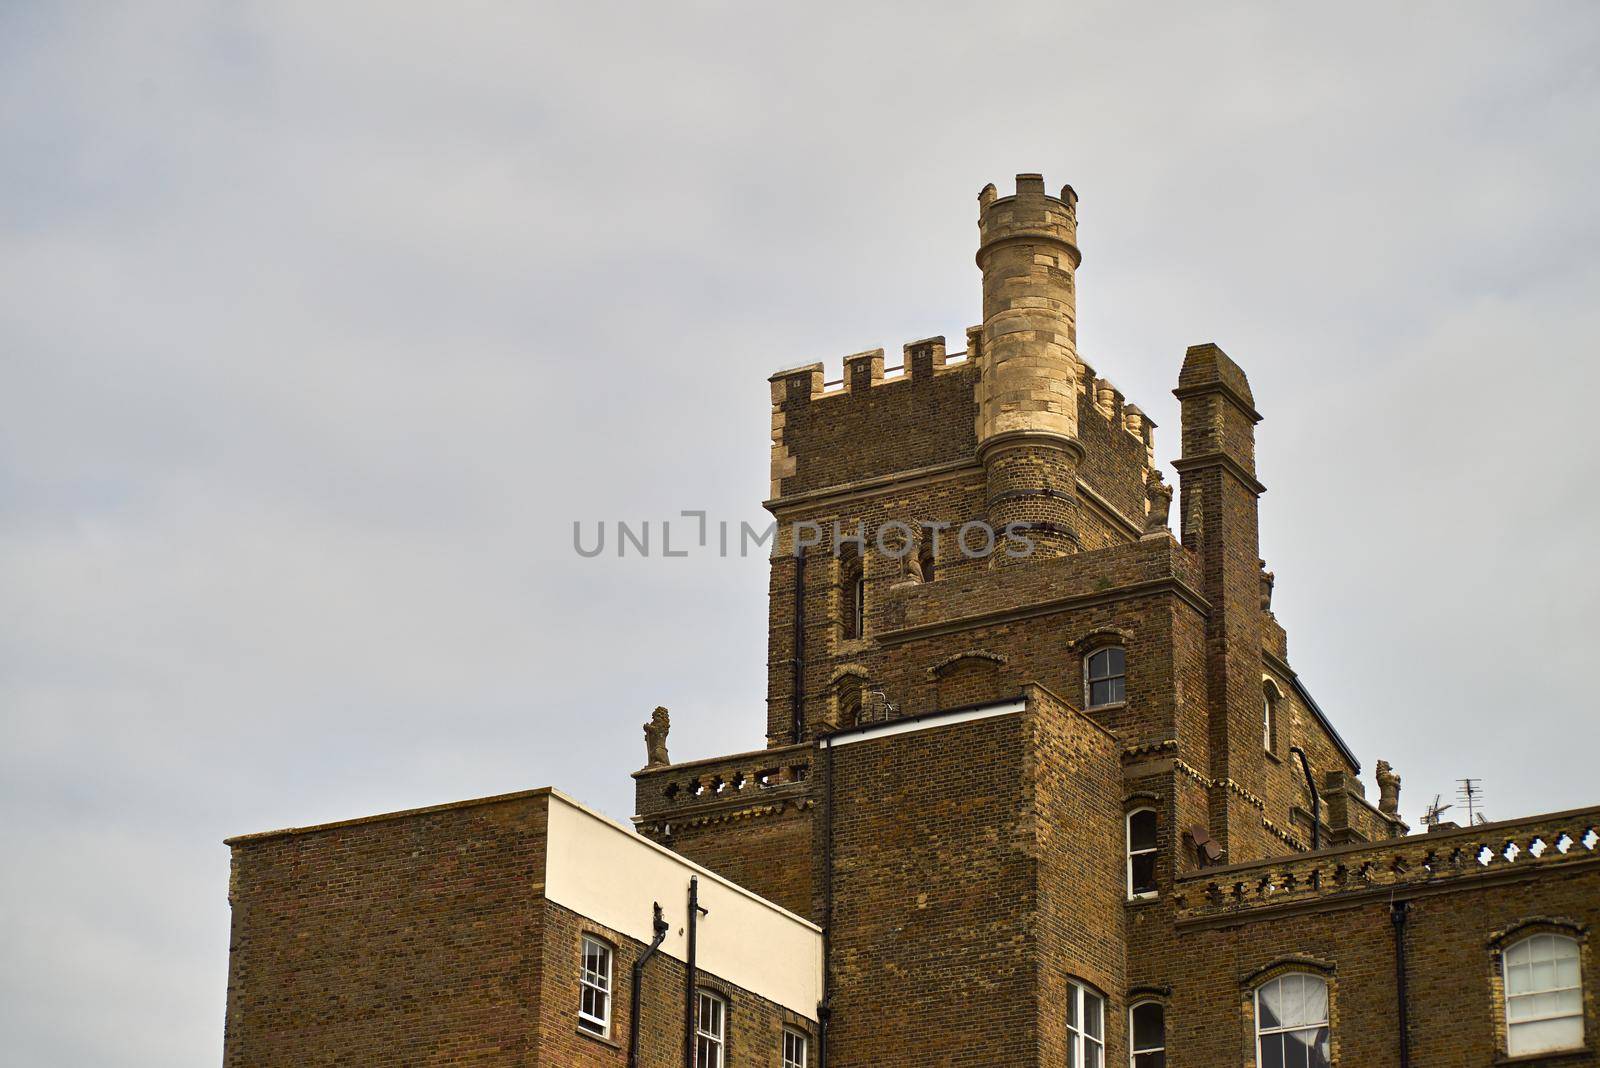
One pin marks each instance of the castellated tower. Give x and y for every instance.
(1027, 396)
(957, 752)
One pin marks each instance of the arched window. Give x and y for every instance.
(1269, 715)
(1105, 677)
(1086, 1027)
(1544, 995)
(1292, 1022)
(853, 594)
(1147, 1030)
(1142, 853)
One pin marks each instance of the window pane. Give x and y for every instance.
(1118, 659)
(1567, 971)
(1094, 1054)
(1150, 1060)
(1321, 1054)
(1142, 830)
(1149, 1026)
(1144, 874)
(1272, 1051)
(1118, 689)
(1269, 1003)
(1100, 664)
(1093, 1015)
(1544, 1035)
(1100, 693)
(1073, 992)
(1314, 1008)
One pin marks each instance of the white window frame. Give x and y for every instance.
(1133, 1050)
(710, 1031)
(597, 982)
(1079, 1042)
(1327, 1021)
(1130, 852)
(1089, 680)
(1533, 992)
(796, 1049)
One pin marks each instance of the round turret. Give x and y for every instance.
(1027, 422)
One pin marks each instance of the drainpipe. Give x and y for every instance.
(1316, 799)
(661, 927)
(799, 711)
(691, 1000)
(825, 1009)
(1397, 913)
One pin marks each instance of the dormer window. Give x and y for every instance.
(1105, 677)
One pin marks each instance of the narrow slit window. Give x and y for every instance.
(853, 589)
(1105, 677)
(1142, 853)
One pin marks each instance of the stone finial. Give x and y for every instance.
(655, 738)
(1267, 579)
(1158, 503)
(1388, 790)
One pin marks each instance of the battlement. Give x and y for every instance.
(919, 360)
(1397, 867)
(1030, 213)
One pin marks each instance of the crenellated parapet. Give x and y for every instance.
(1400, 867)
(874, 420)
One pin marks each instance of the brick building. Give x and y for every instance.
(1039, 771)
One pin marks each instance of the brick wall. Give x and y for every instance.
(412, 940)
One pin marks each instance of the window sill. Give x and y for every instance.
(1555, 1056)
(601, 1039)
(1143, 899)
(1274, 757)
(1110, 706)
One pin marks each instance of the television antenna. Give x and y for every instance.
(1469, 792)
(1435, 813)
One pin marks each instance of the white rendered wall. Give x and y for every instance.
(606, 872)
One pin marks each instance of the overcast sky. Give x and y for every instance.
(321, 324)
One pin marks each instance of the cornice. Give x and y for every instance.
(1170, 584)
(1224, 461)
